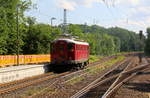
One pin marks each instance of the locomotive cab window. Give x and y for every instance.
(70, 46)
(61, 47)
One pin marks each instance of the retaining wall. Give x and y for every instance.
(9, 74)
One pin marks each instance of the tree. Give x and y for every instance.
(8, 40)
(38, 38)
(129, 41)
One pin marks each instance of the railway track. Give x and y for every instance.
(20, 84)
(79, 73)
(125, 78)
(107, 84)
(6, 88)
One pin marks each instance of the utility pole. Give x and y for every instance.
(65, 16)
(17, 22)
(65, 20)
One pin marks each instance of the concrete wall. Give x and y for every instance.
(9, 74)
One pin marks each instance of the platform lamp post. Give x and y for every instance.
(53, 18)
(17, 29)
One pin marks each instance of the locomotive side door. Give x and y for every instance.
(61, 51)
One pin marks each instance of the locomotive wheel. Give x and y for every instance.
(85, 63)
(82, 65)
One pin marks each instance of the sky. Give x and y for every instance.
(133, 15)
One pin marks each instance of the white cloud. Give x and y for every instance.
(134, 2)
(72, 4)
(136, 11)
(66, 4)
(141, 9)
(127, 2)
(88, 3)
(34, 1)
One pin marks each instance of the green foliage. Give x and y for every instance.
(95, 69)
(115, 60)
(94, 58)
(8, 38)
(35, 38)
(129, 41)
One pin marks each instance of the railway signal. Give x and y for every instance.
(140, 55)
(141, 34)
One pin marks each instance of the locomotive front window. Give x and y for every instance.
(61, 47)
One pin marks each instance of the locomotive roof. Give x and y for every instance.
(72, 41)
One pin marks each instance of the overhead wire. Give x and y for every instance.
(112, 3)
(108, 5)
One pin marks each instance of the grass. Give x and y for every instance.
(50, 90)
(94, 58)
(95, 69)
(75, 80)
(33, 91)
(113, 61)
(122, 53)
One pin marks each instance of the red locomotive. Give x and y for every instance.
(66, 51)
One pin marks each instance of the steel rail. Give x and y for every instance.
(119, 78)
(115, 76)
(127, 76)
(18, 84)
(87, 88)
(111, 92)
(26, 84)
(67, 75)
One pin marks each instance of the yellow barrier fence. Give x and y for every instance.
(7, 60)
